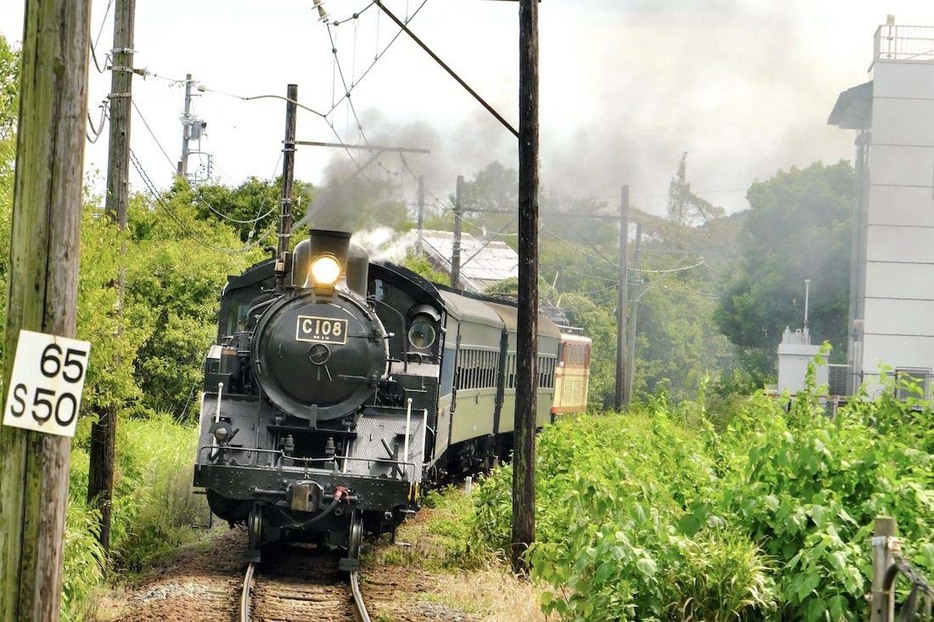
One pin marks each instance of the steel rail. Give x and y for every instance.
(360, 612)
(245, 593)
(359, 606)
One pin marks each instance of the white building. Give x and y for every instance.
(892, 272)
(795, 353)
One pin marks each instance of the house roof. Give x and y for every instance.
(483, 262)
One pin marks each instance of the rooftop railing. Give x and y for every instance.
(915, 43)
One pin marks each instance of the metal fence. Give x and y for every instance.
(837, 378)
(904, 43)
(887, 565)
(915, 382)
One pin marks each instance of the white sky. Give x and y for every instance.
(745, 86)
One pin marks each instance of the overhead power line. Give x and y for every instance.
(98, 38)
(173, 215)
(152, 134)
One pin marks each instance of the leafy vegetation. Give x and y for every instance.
(83, 560)
(153, 508)
(655, 515)
(177, 268)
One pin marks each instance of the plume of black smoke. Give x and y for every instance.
(625, 90)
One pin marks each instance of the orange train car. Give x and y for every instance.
(572, 377)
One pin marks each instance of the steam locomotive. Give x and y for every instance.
(338, 389)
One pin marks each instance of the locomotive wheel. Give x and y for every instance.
(354, 538)
(255, 528)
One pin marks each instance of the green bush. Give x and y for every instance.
(610, 491)
(660, 515)
(809, 486)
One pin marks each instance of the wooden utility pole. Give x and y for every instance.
(882, 604)
(104, 431)
(284, 257)
(623, 301)
(121, 87)
(637, 294)
(523, 463)
(456, 248)
(43, 288)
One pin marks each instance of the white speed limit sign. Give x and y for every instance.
(48, 378)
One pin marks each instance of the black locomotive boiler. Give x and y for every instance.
(339, 388)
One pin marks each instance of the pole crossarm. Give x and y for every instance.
(482, 210)
(379, 148)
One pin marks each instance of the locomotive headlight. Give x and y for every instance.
(325, 270)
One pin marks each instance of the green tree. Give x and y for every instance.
(797, 228)
(252, 208)
(178, 268)
(9, 89)
(9, 107)
(9, 111)
(684, 206)
(115, 340)
(677, 343)
(490, 203)
(496, 187)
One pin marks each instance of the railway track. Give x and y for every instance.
(298, 583)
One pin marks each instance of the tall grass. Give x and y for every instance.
(83, 560)
(153, 508)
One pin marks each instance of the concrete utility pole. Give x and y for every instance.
(458, 215)
(43, 288)
(523, 463)
(103, 432)
(637, 294)
(623, 300)
(186, 129)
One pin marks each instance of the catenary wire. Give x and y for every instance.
(355, 15)
(376, 58)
